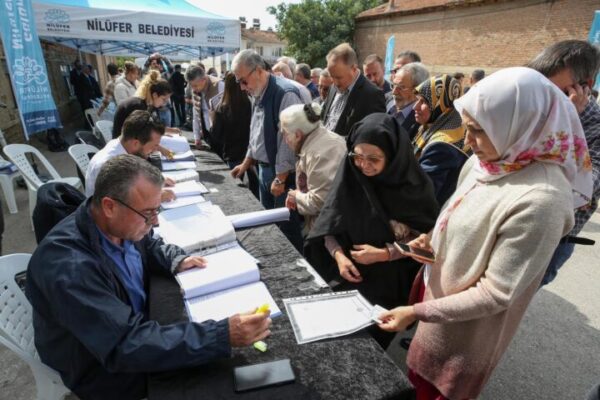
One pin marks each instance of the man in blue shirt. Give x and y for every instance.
(87, 283)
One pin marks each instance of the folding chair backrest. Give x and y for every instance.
(15, 310)
(17, 153)
(105, 128)
(91, 116)
(80, 153)
(87, 137)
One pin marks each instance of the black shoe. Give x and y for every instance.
(405, 343)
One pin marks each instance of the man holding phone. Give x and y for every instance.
(572, 65)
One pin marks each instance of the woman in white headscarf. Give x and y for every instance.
(496, 234)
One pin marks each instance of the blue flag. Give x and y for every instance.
(27, 67)
(594, 38)
(389, 56)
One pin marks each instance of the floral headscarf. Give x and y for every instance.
(445, 124)
(528, 119)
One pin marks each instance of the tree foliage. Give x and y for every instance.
(313, 27)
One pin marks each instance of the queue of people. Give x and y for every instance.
(494, 184)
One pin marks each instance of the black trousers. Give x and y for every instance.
(179, 105)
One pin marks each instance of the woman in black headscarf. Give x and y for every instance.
(379, 195)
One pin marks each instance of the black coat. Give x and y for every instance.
(364, 99)
(230, 133)
(85, 326)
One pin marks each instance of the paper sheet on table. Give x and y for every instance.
(328, 315)
(188, 188)
(177, 144)
(176, 165)
(226, 303)
(182, 175)
(256, 218)
(185, 156)
(182, 202)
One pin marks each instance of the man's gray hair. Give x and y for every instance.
(371, 58)
(411, 55)
(325, 73)
(194, 72)
(304, 70)
(291, 62)
(478, 75)
(344, 53)
(117, 176)
(248, 58)
(417, 71)
(580, 56)
(316, 71)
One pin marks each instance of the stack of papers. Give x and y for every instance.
(182, 202)
(177, 165)
(196, 227)
(185, 156)
(256, 218)
(177, 144)
(188, 188)
(182, 175)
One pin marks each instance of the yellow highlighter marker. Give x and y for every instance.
(260, 345)
(262, 309)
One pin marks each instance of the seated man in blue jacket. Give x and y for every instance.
(87, 284)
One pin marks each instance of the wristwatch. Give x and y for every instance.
(277, 181)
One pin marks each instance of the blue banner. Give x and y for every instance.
(389, 56)
(594, 38)
(27, 68)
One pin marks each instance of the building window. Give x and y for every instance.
(259, 50)
(276, 52)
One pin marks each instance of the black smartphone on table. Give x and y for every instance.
(267, 374)
(406, 249)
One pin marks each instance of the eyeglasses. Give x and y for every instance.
(244, 81)
(394, 70)
(371, 158)
(147, 218)
(401, 88)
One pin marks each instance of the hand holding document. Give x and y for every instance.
(330, 315)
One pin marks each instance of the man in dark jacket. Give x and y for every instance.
(352, 97)
(87, 284)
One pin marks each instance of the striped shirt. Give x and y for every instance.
(590, 120)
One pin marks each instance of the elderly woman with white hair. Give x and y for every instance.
(319, 152)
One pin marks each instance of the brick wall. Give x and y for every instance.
(487, 36)
(68, 107)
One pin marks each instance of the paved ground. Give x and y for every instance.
(555, 355)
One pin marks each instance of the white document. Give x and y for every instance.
(185, 156)
(224, 270)
(188, 188)
(177, 144)
(256, 218)
(195, 227)
(224, 304)
(182, 202)
(182, 175)
(329, 315)
(177, 165)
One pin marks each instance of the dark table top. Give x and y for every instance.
(350, 367)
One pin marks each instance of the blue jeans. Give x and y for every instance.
(291, 229)
(562, 253)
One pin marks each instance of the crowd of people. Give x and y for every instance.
(494, 181)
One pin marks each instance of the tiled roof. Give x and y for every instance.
(412, 7)
(256, 35)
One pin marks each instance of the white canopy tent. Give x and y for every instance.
(175, 28)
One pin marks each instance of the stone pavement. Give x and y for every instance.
(555, 354)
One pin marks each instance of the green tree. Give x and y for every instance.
(313, 27)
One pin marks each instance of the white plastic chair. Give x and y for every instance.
(7, 178)
(92, 117)
(16, 328)
(80, 154)
(105, 128)
(17, 153)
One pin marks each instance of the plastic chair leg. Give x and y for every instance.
(9, 193)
